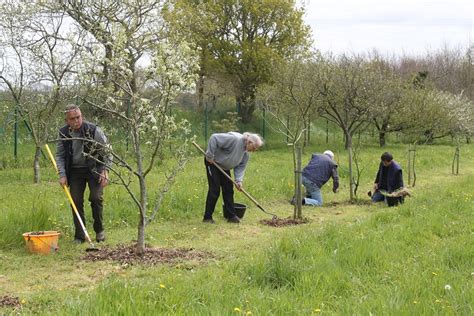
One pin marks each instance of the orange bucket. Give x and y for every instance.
(42, 242)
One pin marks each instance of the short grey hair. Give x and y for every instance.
(254, 138)
(71, 107)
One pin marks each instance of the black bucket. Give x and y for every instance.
(239, 210)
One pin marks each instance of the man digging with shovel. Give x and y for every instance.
(229, 151)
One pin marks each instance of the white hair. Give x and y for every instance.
(329, 153)
(254, 138)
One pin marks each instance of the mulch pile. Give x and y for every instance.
(9, 301)
(280, 222)
(126, 255)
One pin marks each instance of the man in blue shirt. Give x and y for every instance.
(316, 174)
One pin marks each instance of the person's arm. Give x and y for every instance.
(239, 171)
(377, 179)
(335, 179)
(100, 138)
(61, 162)
(398, 180)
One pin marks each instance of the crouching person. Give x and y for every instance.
(388, 180)
(316, 174)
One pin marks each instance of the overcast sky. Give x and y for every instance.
(391, 26)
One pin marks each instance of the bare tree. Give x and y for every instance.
(344, 88)
(290, 100)
(38, 64)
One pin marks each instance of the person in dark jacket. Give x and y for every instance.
(320, 168)
(229, 151)
(389, 179)
(81, 160)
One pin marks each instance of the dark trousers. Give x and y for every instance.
(216, 180)
(391, 201)
(77, 183)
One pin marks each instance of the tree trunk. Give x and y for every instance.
(347, 140)
(200, 88)
(36, 166)
(200, 82)
(299, 195)
(140, 250)
(246, 106)
(349, 150)
(382, 142)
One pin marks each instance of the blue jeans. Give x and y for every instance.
(378, 197)
(314, 191)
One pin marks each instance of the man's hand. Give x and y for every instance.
(63, 181)
(376, 187)
(239, 186)
(103, 180)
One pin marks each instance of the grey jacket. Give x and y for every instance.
(70, 153)
(228, 151)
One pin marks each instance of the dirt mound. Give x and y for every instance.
(280, 222)
(9, 301)
(347, 203)
(153, 256)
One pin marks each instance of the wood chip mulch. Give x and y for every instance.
(281, 222)
(125, 255)
(9, 301)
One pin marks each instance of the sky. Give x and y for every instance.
(393, 27)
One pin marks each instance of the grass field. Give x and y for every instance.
(357, 259)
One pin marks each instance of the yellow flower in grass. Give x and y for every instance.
(415, 302)
(23, 301)
(434, 273)
(162, 286)
(236, 309)
(248, 313)
(317, 310)
(437, 301)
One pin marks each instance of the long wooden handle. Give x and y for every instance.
(68, 194)
(230, 178)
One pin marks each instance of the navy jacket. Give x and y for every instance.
(320, 169)
(394, 176)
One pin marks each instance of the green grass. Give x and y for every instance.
(350, 259)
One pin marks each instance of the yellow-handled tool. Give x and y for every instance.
(68, 194)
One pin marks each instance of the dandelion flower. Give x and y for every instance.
(415, 302)
(236, 309)
(23, 301)
(437, 301)
(248, 313)
(434, 273)
(317, 310)
(162, 286)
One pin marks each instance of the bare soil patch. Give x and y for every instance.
(125, 255)
(281, 222)
(9, 301)
(346, 203)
